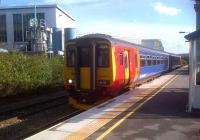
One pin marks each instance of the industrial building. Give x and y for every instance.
(153, 44)
(15, 22)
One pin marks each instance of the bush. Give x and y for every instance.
(22, 73)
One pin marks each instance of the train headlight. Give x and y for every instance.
(104, 82)
(70, 81)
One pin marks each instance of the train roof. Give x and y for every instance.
(122, 42)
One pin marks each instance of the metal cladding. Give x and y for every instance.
(69, 33)
(57, 39)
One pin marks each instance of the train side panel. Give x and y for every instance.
(152, 64)
(119, 58)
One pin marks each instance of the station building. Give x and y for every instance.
(14, 22)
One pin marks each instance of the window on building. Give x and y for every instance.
(3, 33)
(26, 22)
(17, 22)
(102, 55)
(21, 25)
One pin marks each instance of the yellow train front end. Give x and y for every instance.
(88, 71)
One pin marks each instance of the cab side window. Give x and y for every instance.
(102, 55)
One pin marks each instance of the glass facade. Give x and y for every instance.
(3, 34)
(17, 24)
(21, 24)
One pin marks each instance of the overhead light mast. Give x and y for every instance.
(35, 20)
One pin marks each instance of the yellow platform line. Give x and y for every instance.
(97, 123)
(132, 112)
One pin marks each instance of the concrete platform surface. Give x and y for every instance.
(156, 110)
(164, 117)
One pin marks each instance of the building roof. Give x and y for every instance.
(193, 35)
(153, 43)
(37, 6)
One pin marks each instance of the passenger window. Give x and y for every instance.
(121, 58)
(166, 61)
(162, 61)
(154, 60)
(126, 61)
(158, 61)
(142, 61)
(102, 55)
(148, 61)
(151, 60)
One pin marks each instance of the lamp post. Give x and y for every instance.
(35, 32)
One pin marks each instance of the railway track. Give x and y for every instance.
(5, 109)
(21, 122)
(42, 127)
(32, 109)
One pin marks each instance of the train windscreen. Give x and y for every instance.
(102, 55)
(70, 57)
(85, 57)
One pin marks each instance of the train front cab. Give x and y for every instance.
(89, 69)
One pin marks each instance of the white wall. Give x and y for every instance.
(63, 21)
(53, 16)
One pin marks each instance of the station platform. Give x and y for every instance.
(155, 110)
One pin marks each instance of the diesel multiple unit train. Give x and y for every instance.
(98, 65)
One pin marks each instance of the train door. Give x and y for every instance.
(126, 67)
(85, 67)
(136, 58)
(85, 54)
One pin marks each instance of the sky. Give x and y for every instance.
(130, 20)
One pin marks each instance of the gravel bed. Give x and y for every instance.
(25, 125)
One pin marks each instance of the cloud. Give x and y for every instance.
(163, 9)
